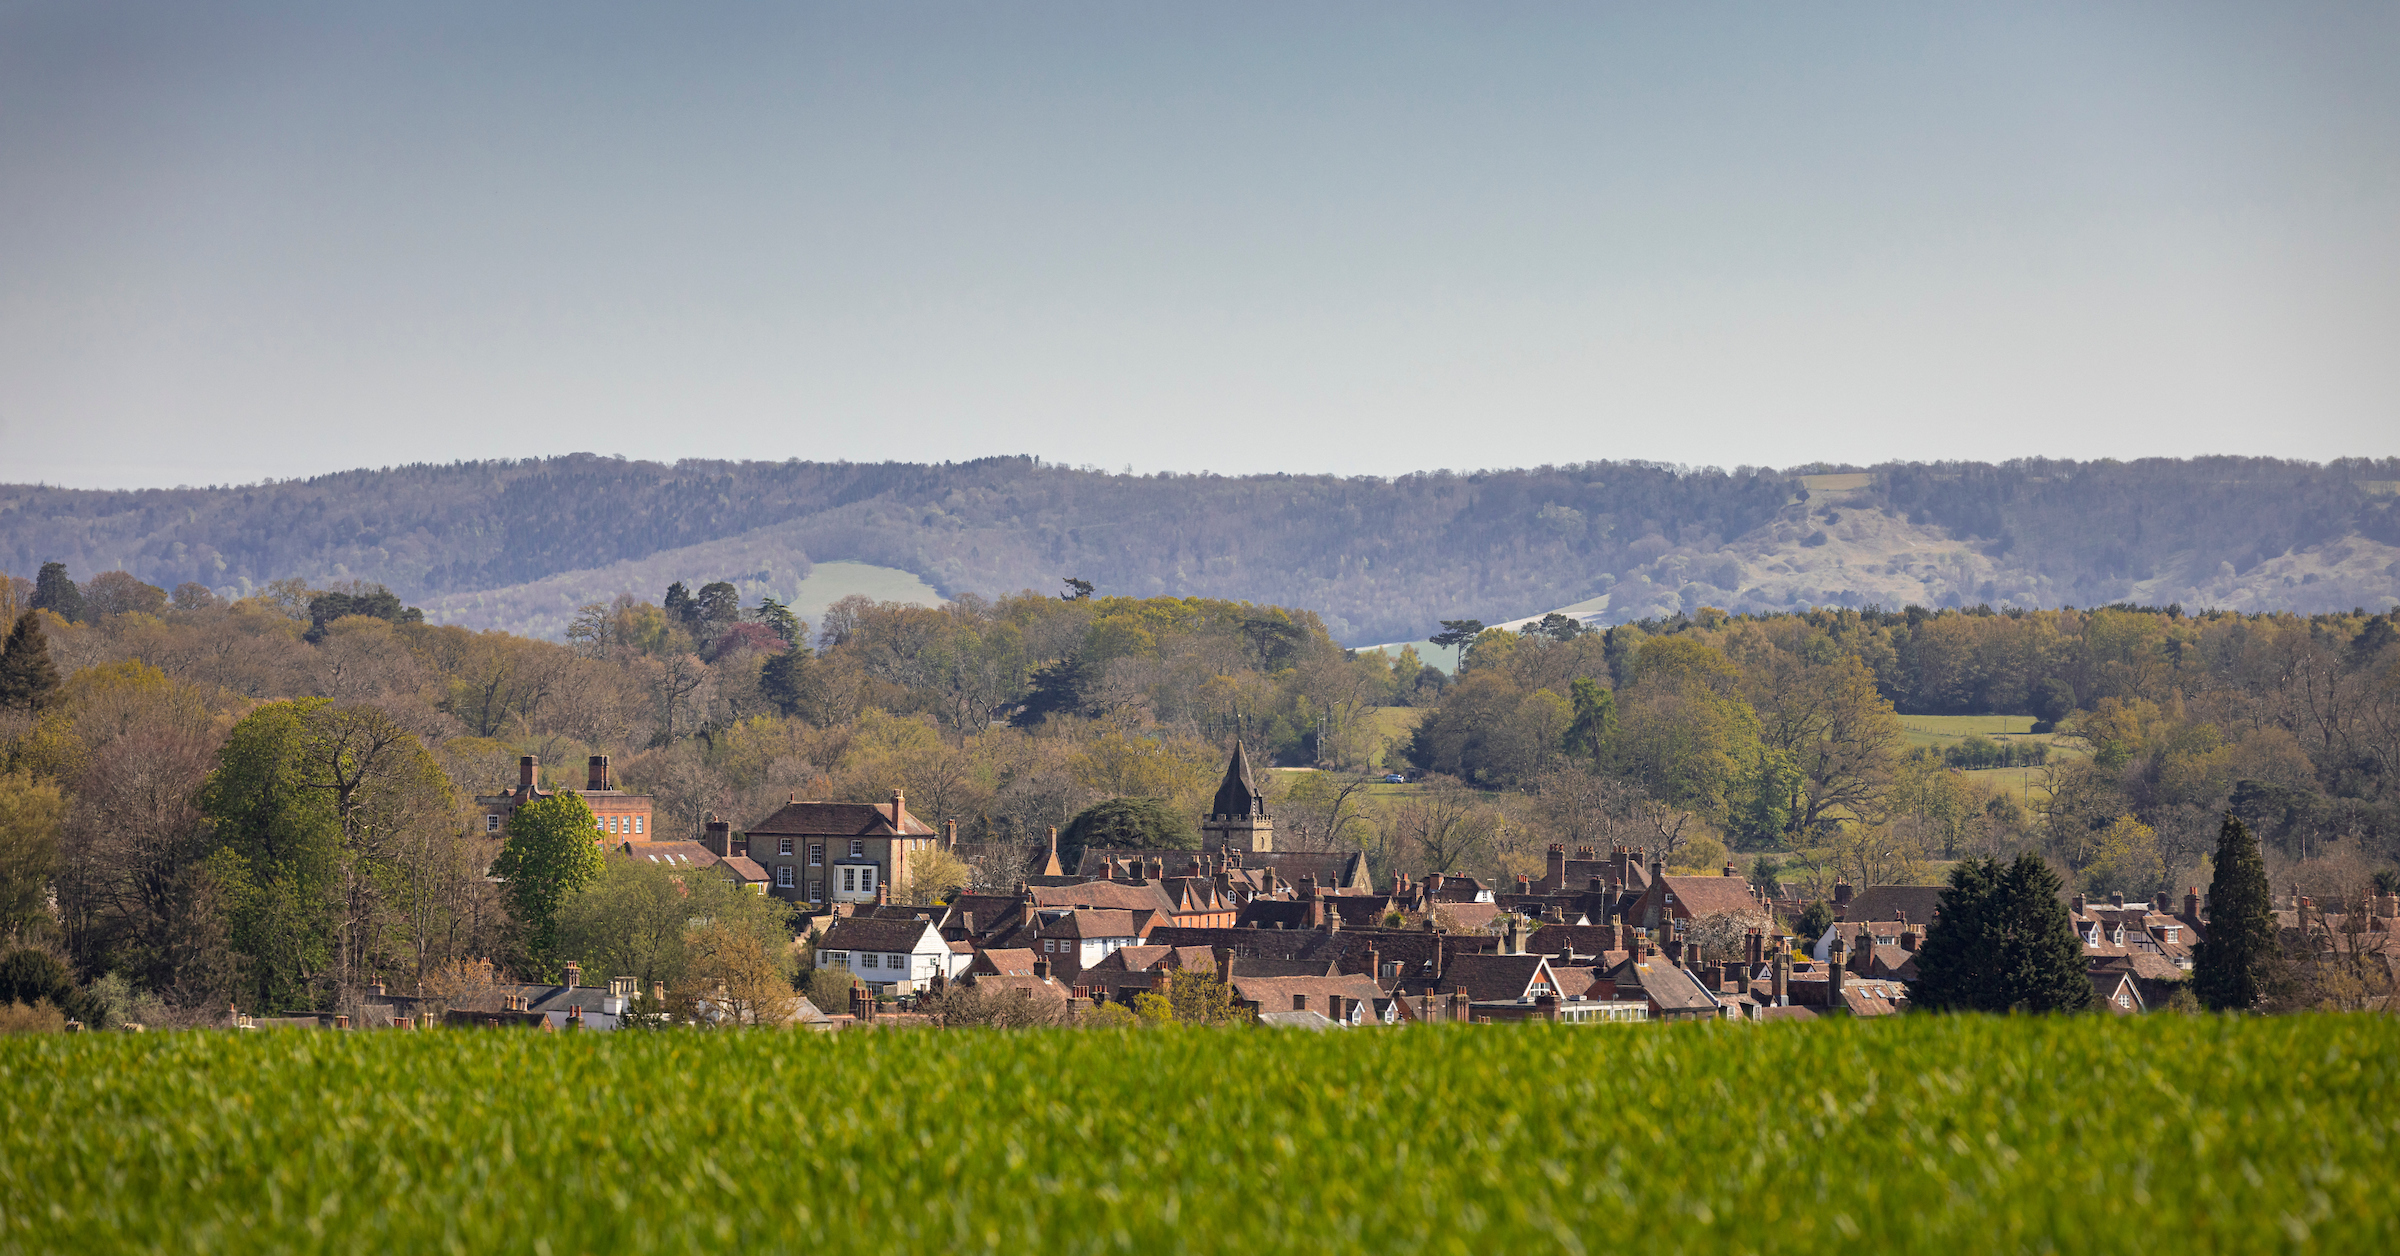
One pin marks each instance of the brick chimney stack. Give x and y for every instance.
(596, 775)
(1730, 870)
(528, 769)
(1783, 978)
(949, 835)
(1556, 876)
(1838, 965)
(1841, 893)
(574, 974)
(899, 805)
(2117, 899)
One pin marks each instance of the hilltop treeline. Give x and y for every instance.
(1376, 558)
(274, 795)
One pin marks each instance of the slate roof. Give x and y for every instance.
(840, 819)
(677, 854)
(862, 933)
(1887, 902)
(1310, 1019)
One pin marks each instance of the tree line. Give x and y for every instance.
(1374, 557)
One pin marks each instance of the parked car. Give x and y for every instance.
(1394, 778)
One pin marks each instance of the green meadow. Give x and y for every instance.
(1927, 1133)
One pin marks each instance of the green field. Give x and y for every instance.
(1946, 730)
(1922, 1134)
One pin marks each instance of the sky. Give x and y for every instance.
(245, 241)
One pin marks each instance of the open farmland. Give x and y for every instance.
(1956, 1134)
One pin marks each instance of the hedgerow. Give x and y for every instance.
(1934, 1134)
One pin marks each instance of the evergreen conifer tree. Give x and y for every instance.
(1963, 942)
(2002, 943)
(53, 592)
(27, 676)
(2046, 972)
(2234, 962)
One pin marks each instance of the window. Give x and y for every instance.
(637, 826)
(858, 850)
(783, 876)
(612, 824)
(849, 880)
(816, 856)
(866, 880)
(816, 891)
(870, 960)
(895, 961)
(1046, 944)
(491, 824)
(837, 959)
(783, 846)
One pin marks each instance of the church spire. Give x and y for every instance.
(1239, 795)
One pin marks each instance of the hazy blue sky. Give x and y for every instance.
(240, 241)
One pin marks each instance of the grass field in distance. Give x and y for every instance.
(1924, 1134)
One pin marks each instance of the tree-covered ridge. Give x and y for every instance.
(1377, 558)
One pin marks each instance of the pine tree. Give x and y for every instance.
(27, 677)
(2002, 943)
(2233, 965)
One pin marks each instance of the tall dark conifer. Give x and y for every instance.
(2234, 963)
(2002, 943)
(27, 676)
(53, 592)
(2047, 972)
(1955, 966)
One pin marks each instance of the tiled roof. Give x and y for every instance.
(1089, 924)
(744, 868)
(839, 819)
(1003, 961)
(1571, 940)
(1706, 896)
(1274, 994)
(1109, 894)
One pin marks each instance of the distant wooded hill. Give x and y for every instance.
(1379, 559)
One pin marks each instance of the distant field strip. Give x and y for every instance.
(1928, 1134)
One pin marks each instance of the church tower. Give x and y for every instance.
(1238, 820)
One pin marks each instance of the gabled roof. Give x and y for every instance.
(1492, 978)
(1889, 902)
(840, 819)
(857, 933)
(677, 854)
(1116, 895)
(1564, 940)
(1706, 896)
(1274, 994)
(1078, 923)
(1002, 962)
